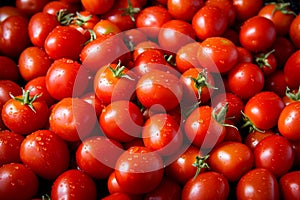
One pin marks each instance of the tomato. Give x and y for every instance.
(294, 30)
(105, 27)
(117, 196)
(207, 185)
(96, 6)
(10, 144)
(58, 44)
(262, 110)
(280, 14)
(85, 19)
(203, 129)
(185, 167)
(65, 78)
(114, 82)
(151, 18)
(121, 121)
(209, 21)
(291, 68)
(244, 55)
(245, 80)
(225, 5)
(258, 183)
(12, 43)
(174, 34)
(274, 153)
(31, 7)
(217, 54)
(288, 121)
(8, 88)
(167, 189)
(9, 10)
(232, 159)
(17, 182)
(165, 85)
(73, 184)
(92, 99)
(246, 9)
(289, 185)
(138, 170)
(133, 37)
(9, 69)
(33, 62)
(144, 46)
(284, 48)
(275, 82)
(184, 10)
(45, 153)
(253, 35)
(254, 137)
(52, 7)
(267, 62)
(68, 121)
(296, 148)
(40, 25)
(25, 114)
(186, 57)
(161, 133)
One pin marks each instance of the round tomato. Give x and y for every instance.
(186, 57)
(105, 27)
(9, 69)
(284, 48)
(267, 62)
(9, 10)
(276, 83)
(245, 9)
(289, 185)
(226, 6)
(183, 9)
(254, 137)
(294, 30)
(97, 6)
(291, 69)
(30, 7)
(45, 153)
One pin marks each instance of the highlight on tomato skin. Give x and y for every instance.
(146, 99)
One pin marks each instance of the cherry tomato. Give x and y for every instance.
(246, 9)
(276, 83)
(9, 69)
(96, 6)
(294, 30)
(74, 184)
(186, 57)
(17, 182)
(144, 46)
(284, 48)
(105, 27)
(183, 9)
(45, 153)
(52, 7)
(30, 7)
(258, 183)
(254, 137)
(225, 5)
(9, 10)
(289, 185)
(290, 70)
(117, 196)
(267, 62)
(244, 55)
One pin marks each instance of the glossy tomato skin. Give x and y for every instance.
(45, 153)
(263, 109)
(294, 30)
(73, 184)
(97, 7)
(9, 69)
(184, 10)
(274, 153)
(284, 48)
(209, 21)
(8, 87)
(276, 83)
(143, 172)
(288, 121)
(207, 185)
(30, 7)
(258, 183)
(246, 9)
(10, 10)
(254, 137)
(17, 182)
(253, 35)
(289, 185)
(186, 57)
(228, 8)
(291, 68)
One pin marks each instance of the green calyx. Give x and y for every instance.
(249, 124)
(26, 99)
(262, 59)
(219, 114)
(283, 8)
(118, 72)
(64, 17)
(130, 11)
(292, 94)
(200, 163)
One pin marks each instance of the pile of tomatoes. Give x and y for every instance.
(149, 99)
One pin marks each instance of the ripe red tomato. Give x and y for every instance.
(258, 183)
(276, 83)
(9, 10)
(294, 30)
(291, 70)
(253, 35)
(97, 6)
(209, 21)
(8, 88)
(17, 182)
(183, 9)
(30, 7)
(225, 5)
(244, 55)
(45, 153)
(246, 9)
(263, 110)
(284, 48)
(74, 184)
(104, 26)
(274, 153)
(207, 185)
(254, 137)
(117, 196)
(186, 57)
(232, 159)
(53, 7)
(245, 80)
(217, 54)
(289, 185)
(68, 121)
(9, 69)
(121, 121)
(139, 170)
(288, 121)
(267, 62)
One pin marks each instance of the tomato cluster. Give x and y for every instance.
(149, 99)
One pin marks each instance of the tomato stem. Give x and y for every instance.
(292, 94)
(200, 163)
(250, 124)
(64, 17)
(26, 99)
(262, 59)
(130, 11)
(219, 114)
(118, 72)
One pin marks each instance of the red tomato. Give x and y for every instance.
(244, 55)
(68, 121)
(117, 196)
(232, 159)
(9, 10)
(92, 99)
(274, 153)
(288, 122)
(85, 19)
(284, 48)
(96, 6)
(267, 62)
(55, 6)
(258, 183)
(105, 27)
(225, 5)
(138, 170)
(253, 34)
(166, 87)
(183, 9)
(296, 148)
(209, 21)
(161, 133)
(30, 7)
(8, 88)
(254, 137)
(66, 78)
(245, 80)
(45, 153)
(17, 182)
(25, 114)
(206, 186)
(133, 37)
(294, 30)
(246, 9)
(186, 57)
(121, 121)
(217, 54)
(144, 46)
(9, 69)
(262, 110)
(276, 83)
(289, 185)
(10, 144)
(291, 70)
(74, 184)
(33, 62)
